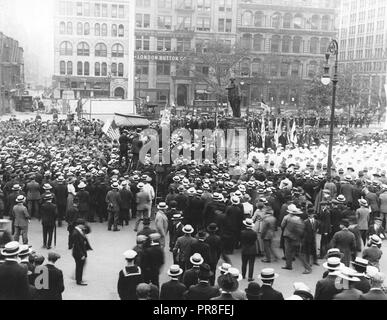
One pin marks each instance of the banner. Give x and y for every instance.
(111, 130)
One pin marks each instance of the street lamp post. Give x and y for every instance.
(333, 49)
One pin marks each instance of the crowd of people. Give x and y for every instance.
(199, 213)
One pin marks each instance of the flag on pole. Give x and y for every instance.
(111, 130)
(293, 137)
(278, 131)
(288, 133)
(263, 131)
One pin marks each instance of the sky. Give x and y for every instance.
(31, 23)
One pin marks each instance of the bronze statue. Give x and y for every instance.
(234, 97)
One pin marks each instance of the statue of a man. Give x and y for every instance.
(234, 97)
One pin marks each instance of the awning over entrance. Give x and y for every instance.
(131, 121)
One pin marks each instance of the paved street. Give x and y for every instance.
(106, 260)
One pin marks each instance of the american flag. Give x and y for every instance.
(111, 130)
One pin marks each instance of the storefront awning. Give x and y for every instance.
(131, 121)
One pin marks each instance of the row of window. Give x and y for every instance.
(201, 5)
(99, 30)
(369, 42)
(83, 69)
(287, 21)
(86, 9)
(361, 28)
(83, 49)
(361, 16)
(284, 44)
(363, 54)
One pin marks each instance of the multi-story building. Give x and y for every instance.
(94, 48)
(287, 40)
(362, 47)
(165, 30)
(11, 71)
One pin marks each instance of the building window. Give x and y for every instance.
(104, 10)
(62, 8)
(142, 20)
(257, 43)
(97, 10)
(142, 68)
(274, 69)
(276, 20)
(259, 19)
(143, 43)
(286, 44)
(204, 5)
(245, 68)
(163, 44)
(225, 25)
(313, 45)
(86, 29)
(79, 8)
(62, 67)
(114, 11)
(275, 43)
(69, 28)
(114, 30)
(324, 43)
(163, 68)
(296, 66)
(121, 11)
(183, 45)
(97, 69)
(325, 23)
(86, 9)
(167, 4)
(256, 67)
(142, 3)
(62, 28)
(79, 29)
(225, 5)
(312, 69)
(298, 21)
(86, 69)
(66, 49)
(104, 69)
(97, 30)
(246, 41)
(69, 68)
(114, 69)
(79, 68)
(83, 49)
(121, 30)
(100, 50)
(104, 30)
(184, 23)
(120, 69)
(315, 23)
(284, 69)
(297, 44)
(247, 18)
(288, 21)
(164, 22)
(118, 51)
(203, 24)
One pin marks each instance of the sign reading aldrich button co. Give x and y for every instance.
(157, 56)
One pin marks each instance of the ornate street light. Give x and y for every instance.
(333, 49)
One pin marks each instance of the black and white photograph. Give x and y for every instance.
(193, 150)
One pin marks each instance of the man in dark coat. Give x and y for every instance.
(194, 212)
(203, 290)
(201, 247)
(360, 265)
(124, 140)
(13, 277)
(126, 197)
(176, 230)
(129, 277)
(173, 289)
(80, 245)
(72, 217)
(55, 280)
(84, 201)
(191, 276)
(152, 260)
(345, 241)
(249, 248)
(48, 213)
(234, 219)
(215, 244)
(267, 292)
(33, 197)
(309, 239)
(101, 190)
(326, 288)
(61, 194)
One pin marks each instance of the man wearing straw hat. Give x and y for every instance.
(249, 249)
(13, 277)
(326, 288)
(363, 215)
(173, 289)
(129, 277)
(348, 283)
(376, 292)
(267, 277)
(113, 200)
(182, 249)
(161, 222)
(22, 219)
